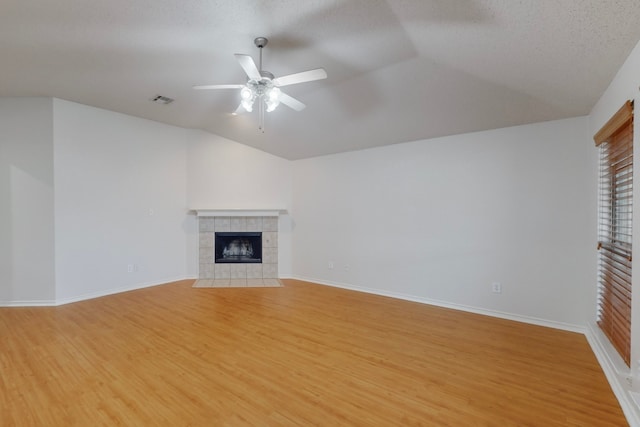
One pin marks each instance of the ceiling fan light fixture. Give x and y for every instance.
(247, 104)
(272, 99)
(271, 106)
(246, 94)
(274, 94)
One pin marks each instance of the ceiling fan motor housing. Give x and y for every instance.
(261, 42)
(266, 75)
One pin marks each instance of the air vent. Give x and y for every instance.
(164, 100)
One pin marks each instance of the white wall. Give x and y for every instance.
(624, 87)
(440, 220)
(120, 200)
(87, 192)
(223, 174)
(26, 202)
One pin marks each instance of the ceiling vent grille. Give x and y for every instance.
(164, 100)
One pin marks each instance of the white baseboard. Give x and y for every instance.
(34, 303)
(478, 310)
(617, 374)
(91, 295)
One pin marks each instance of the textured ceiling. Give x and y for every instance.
(399, 70)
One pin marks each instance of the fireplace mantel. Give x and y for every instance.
(239, 212)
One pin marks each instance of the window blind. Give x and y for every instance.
(615, 142)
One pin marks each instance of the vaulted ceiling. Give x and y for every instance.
(399, 70)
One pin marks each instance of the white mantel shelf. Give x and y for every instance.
(239, 212)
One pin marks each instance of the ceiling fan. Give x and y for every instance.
(263, 87)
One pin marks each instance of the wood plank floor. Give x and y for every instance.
(300, 355)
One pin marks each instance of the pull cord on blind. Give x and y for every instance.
(615, 214)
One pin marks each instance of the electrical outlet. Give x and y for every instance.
(330, 265)
(130, 268)
(496, 287)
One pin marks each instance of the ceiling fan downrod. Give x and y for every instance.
(260, 42)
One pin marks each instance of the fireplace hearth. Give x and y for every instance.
(238, 247)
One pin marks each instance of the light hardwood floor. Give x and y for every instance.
(300, 355)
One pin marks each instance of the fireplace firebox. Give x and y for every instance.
(238, 247)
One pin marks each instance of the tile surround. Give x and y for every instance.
(270, 255)
(270, 223)
(269, 239)
(221, 271)
(222, 223)
(255, 224)
(238, 271)
(206, 239)
(238, 223)
(254, 271)
(209, 270)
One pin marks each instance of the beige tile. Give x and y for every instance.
(203, 283)
(222, 223)
(238, 223)
(206, 224)
(220, 283)
(270, 223)
(238, 271)
(206, 255)
(206, 271)
(222, 271)
(272, 282)
(269, 271)
(270, 255)
(255, 283)
(254, 223)
(269, 239)
(254, 271)
(206, 240)
(238, 283)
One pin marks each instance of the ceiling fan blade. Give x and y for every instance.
(291, 102)
(249, 67)
(305, 76)
(207, 87)
(239, 110)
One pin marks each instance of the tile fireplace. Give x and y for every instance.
(248, 238)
